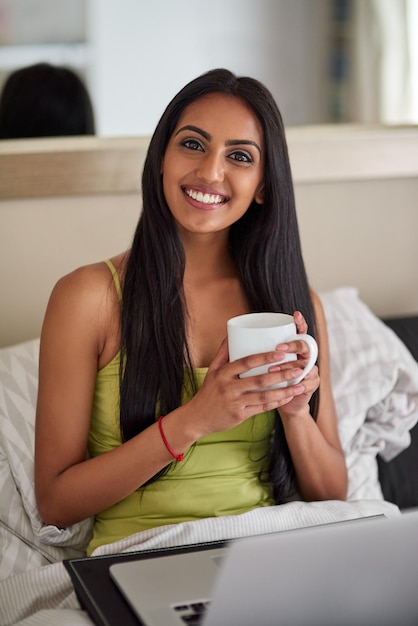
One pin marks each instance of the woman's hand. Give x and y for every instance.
(225, 400)
(310, 383)
(314, 444)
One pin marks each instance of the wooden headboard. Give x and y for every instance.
(67, 202)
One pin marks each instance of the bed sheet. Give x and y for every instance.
(45, 596)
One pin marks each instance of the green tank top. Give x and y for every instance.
(219, 474)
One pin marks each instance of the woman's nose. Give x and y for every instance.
(211, 168)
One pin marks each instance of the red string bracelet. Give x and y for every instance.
(178, 457)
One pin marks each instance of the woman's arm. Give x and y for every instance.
(315, 447)
(79, 336)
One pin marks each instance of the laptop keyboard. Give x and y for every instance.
(192, 614)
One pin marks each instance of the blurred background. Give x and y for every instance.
(326, 61)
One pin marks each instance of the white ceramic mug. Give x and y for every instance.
(254, 333)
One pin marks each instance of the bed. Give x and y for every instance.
(357, 193)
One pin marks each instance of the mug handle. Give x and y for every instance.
(313, 355)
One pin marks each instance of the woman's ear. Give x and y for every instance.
(259, 194)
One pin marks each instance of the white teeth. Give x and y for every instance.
(204, 198)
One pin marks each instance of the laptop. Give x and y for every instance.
(344, 574)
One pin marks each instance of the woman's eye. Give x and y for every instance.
(242, 157)
(192, 144)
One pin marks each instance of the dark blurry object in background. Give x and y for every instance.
(43, 100)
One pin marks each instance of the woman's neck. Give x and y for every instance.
(208, 258)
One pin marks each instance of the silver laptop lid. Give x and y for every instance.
(349, 575)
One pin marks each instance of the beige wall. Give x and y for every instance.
(47, 238)
(363, 234)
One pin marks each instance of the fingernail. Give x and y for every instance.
(279, 355)
(299, 389)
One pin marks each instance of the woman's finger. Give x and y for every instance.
(300, 322)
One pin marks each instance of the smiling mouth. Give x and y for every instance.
(205, 198)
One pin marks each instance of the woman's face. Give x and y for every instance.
(213, 166)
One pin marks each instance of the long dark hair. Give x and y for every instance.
(264, 242)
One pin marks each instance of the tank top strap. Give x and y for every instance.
(115, 277)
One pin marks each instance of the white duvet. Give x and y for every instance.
(45, 596)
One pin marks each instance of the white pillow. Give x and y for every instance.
(18, 511)
(375, 384)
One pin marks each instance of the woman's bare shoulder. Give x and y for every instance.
(93, 279)
(88, 292)
(85, 304)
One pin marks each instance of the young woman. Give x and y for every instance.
(134, 363)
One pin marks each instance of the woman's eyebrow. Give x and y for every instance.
(243, 142)
(208, 137)
(195, 129)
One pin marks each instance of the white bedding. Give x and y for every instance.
(375, 383)
(45, 596)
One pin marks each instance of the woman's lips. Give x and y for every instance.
(204, 197)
